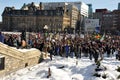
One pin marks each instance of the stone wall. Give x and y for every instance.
(17, 59)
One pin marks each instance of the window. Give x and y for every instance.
(45, 13)
(44, 19)
(40, 20)
(2, 63)
(51, 13)
(56, 20)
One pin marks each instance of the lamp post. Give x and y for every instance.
(45, 30)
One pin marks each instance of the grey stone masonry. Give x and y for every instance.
(15, 59)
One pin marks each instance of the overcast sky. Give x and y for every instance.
(96, 4)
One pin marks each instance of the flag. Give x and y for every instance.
(97, 36)
(82, 36)
(102, 38)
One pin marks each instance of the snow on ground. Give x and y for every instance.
(67, 69)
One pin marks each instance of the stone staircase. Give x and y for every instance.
(18, 53)
(16, 59)
(10, 51)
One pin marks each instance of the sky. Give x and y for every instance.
(96, 4)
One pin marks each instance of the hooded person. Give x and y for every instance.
(1, 38)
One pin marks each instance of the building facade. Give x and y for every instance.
(33, 18)
(99, 15)
(109, 20)
(91, 25)
(82, 7)
(71, 10)
(1, 25)
(116, 21)
(118, 6)
(78, 11)
(56, 15)
(74, 16)
(90, 11)
(83, 13)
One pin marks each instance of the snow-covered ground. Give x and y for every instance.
(68, 69)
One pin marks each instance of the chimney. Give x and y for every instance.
(40, 5)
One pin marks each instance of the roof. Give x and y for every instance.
(34, 12)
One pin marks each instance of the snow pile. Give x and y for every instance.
(26, 50)
(62, 68)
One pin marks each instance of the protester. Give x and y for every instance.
(23, 44)
(67, 45)
(1, 38)
(118, 54)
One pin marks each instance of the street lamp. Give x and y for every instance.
(45, 29)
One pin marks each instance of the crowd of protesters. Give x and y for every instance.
(67, 46)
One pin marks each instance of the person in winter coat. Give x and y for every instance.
(10, 40)
(23, 44)
(57, 50)
(96, 54)
(91, 51)
(108, 50)
(79, 51)
(15, 42)
(66, 50)
(72, 50)
(1, 38)
(118, 54)
(50, 50)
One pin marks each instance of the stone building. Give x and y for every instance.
(32, 17)
(56, 20)
(71, 10)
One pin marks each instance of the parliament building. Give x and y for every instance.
(32, 17)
